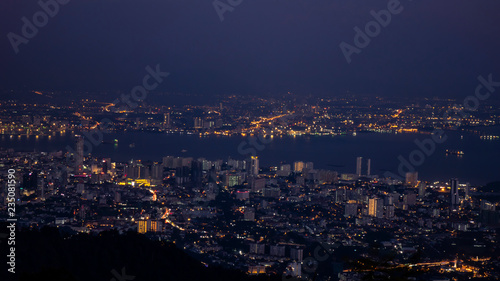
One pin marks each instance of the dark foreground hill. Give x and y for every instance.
(48, 255)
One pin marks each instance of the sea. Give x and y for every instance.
(388, 152)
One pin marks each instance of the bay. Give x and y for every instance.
(479, 165)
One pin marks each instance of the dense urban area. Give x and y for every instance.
(240, 115)
(290, 219)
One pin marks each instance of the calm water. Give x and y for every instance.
(479, 165)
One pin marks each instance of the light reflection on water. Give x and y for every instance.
(479, 164)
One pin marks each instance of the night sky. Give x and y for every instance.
(432, 48)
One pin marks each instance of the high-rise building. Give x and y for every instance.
(467, 190)
(412, 179)
(309, 165)
(144, 226)
(368, 167)
(410, 199)
(254, 165)
(256, 248)
(166, 120)
(277, 250)
(198, 123)
(168, 162)
(249, 214)
(79, 155)
(157, 171)
(351, 210)
(155, 225)
(391, 199)
(487, 206)
(296, 254)
(454, 194)
(298, 166)
(421, 189)
(232, 180)
(106, 165)
(389, 212)
(359, 162)
(284, 170)
(257, 184)
(376, 207)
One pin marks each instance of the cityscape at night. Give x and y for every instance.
(250, 140)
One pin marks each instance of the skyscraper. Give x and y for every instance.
(254, 165)
(166, 120)
(309, 165)
(421, 189)
(351, 210)
(298, 166)
(376, 207)
(359, 162)
(198, 122)
(368, 167)
(79, 155)
(467, 190)
(412, 179)
(454, 193)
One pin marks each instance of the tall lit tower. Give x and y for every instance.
(421, 189)
(254, 165)
(298, 166)
(166, 120)
(467, 190)
(454, 194)
(79, 155)
(359, 162)
(376, 207)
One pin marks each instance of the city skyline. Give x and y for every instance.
(253, 140)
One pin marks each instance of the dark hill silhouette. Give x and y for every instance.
(49, 255)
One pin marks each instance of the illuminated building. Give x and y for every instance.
(298, 166)
(254, 165)
(421, 189)
(376, 207)
(144, 226)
